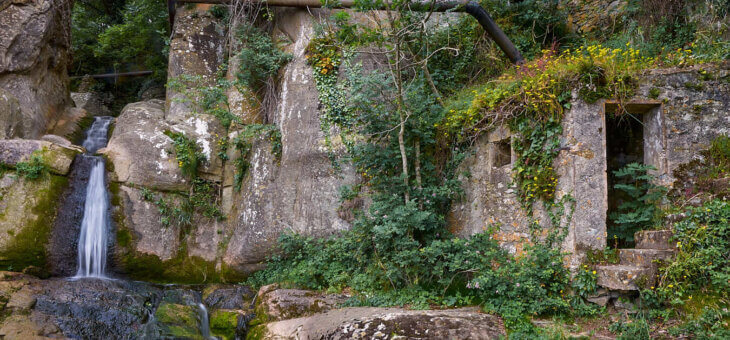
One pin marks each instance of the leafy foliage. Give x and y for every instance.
(32, 169)
(188, 154)
(640, 210)
(243, 144)
(118, 36)
(259, 59)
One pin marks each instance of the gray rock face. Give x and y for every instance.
(10, 116)
(139, 150)
(299, 193)
(196, 50)
(34, 44)
(389, 323)
(143, 220)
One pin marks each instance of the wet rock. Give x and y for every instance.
(34, 54)
(387, 323)
(282, 304)
(228, 297)
(178, 321)
(57, 157)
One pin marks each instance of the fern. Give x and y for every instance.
(640, 211)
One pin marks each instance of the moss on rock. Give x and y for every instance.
(223, 324)
(28, 212)
(178, 321)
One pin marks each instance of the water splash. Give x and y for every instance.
(92, 250)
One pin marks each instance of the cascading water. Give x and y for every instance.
(92, 250)
(204, 324)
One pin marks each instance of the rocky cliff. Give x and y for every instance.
(34, 54)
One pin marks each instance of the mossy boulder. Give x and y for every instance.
(224, 323)
(27, 211)
(178, 321)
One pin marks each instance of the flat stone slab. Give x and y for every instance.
(654, 239)
(388, 323)
(282, 304)
(57, 157)
(621, 277)
(644, 257)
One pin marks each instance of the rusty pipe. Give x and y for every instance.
(469, 6)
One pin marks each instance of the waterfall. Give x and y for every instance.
(204, 325)
(92, 249)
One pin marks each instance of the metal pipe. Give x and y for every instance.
(111, 75)
(469, 6)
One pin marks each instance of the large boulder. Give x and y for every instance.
(387, 323)
(57, 157)
(139, 151)
(27, 211)
(34, 53)
(298, 190)
(141, 154)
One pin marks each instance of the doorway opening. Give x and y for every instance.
(631, 137)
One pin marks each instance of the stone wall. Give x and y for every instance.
(690, 107)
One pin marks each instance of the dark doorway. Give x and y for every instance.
(624, 145)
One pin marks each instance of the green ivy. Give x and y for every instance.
(243, 144)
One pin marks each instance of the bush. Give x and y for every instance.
(32, 169)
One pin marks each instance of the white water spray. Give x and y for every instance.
(93, 237)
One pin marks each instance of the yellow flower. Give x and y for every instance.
(670, 286)
(594, 272)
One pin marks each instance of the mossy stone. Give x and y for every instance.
(178, 321)
(223, 324)
(27, 244)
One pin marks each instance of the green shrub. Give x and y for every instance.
(259, 59)
(703, 259)
(32, 169)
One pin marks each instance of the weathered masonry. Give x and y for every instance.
(689, 109)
